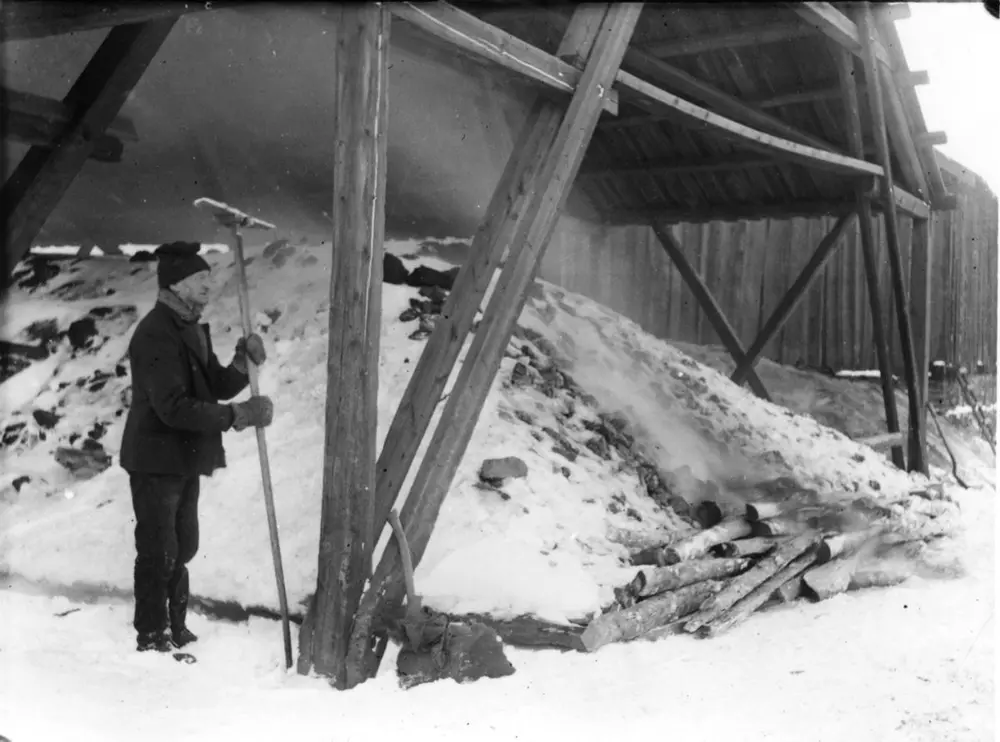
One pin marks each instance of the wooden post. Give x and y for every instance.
(792, 298)
(848, 85)
(44, 175)
(708, 304)
(361, 45)
(507, 208)
(875, 104)
(921, 260)
(461, 412)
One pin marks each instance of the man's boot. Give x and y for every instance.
(180, 634)
(156, 642)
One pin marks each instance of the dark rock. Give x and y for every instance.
(92, 445)
(11, 434)
(20, 482)
(84, 464)
(509, 467)
(614, 508)
(97, 432)
(874, 485)
(524, 417)
(633, 514)
(859, 457)
(435, 294)
(73, 438)
(43, 331)
(121, 370)
(142, 256)
(425, 276)
(464, 652)
(409, 315)
(427, 324)
(599, 446)
(109, 292)
(565, 471)
(565, 450)
(45, 418)
(278, 252)
(393, 270)
(520, 376)
(81, 332)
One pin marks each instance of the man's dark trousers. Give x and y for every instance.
(166, 539)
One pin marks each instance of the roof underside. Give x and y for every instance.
(764, 57)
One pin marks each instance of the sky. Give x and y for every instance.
(958, 44)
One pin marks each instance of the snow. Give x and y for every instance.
(910, 663)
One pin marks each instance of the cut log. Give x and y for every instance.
(699, 544)
(758, 596)
(740, 586)
(777, 527)
(654, 613)
(671, 629)
(844, 544)
(789, 592)
(745, 547)
(764, 510)
(879, 576)
(829, 579)
(528, 631)
(710, 513)
(649, 582)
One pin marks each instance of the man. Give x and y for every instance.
(173, 436)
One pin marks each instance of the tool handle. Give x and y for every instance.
(265, 467)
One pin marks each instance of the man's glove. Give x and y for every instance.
(256, 412)
(251, 347)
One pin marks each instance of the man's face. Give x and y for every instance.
(195, 289)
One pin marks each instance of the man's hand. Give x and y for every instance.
(256, 412)
(251, 347)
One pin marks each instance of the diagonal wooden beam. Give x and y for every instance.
(20, 19)
(875, 104)
(43, 176)
(506, 210)
(766, 34)
(921, 264)
(57, 113)
(839, 27)
(458, 419)
(465, 31)
(38, 132)
(671, 166)
(792, 297)
(903, 79)
(708, 305)
(848, 80)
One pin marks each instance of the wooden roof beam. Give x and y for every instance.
(769, 34)
(483, 40)
(35, 131)
(21, 20)
(679, 167)
(842, 30)
(57, 113)
(793, 97)
(43, 176)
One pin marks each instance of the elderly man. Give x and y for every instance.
(173, 436)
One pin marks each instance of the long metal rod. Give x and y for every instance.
(265, 467)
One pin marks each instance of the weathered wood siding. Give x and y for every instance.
(749, 266)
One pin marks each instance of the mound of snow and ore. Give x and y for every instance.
(633, 449)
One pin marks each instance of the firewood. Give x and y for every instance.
(699, 544)
(879, 576)
(657, 580)
(757, 597)
(671, 629)
(710, 513)
(630, 623)
(844, 544)
(789, 592)
(738, 587)
(763, 510)
(777, 527)
(745, 547)
(829, 579)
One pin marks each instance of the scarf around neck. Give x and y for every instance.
(174, 302)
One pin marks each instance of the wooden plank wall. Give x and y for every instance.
(749, 266)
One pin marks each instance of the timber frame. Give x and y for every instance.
(608, 88)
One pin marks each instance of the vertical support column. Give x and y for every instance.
(921, 260)
(866, 28)
(862, 196)
(361, 39)
(550, 186)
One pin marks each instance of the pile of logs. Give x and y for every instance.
(750, 555)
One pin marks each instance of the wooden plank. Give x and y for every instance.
(674, 166)
(903, 78)
(57, 113)
(792, 297)
(832, 23)
(708, 304)
(361, 51)
(20, 20)
(930, 138)
(507, 207)
(461, 412)
(917, 438)
(883, 441)
(845, 70)
(43, 176)
(729, 213)
(481, 39)
(756, 36)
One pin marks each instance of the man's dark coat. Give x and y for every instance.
(175, 423)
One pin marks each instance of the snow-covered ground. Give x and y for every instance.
(913, 662)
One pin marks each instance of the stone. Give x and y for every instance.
(422, 275)
(464, 653)
(599, 446)
(509, 467)
(81, 332)
(45, 419)
(84, 464)
(393, 270)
